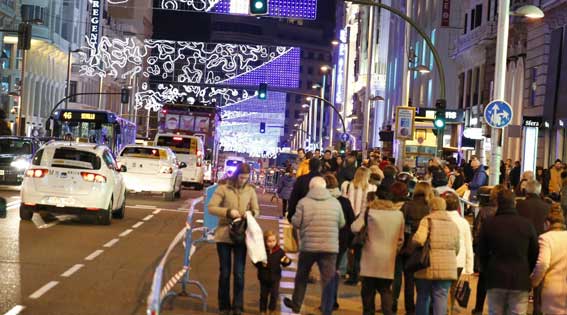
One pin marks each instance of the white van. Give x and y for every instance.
(190, 150)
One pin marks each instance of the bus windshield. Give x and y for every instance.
(178, 144)
(99, 133)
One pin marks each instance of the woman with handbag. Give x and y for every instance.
(383, 225)
(437, 239)
(231, 202)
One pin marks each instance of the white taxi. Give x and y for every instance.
(74, 178)
(152, 169)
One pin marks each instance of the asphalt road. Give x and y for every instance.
(72, 267)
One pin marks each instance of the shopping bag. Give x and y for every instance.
(255, 241)
(463, 293)
(462, 190)
(290, 241)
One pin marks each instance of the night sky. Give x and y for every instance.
(189, 26)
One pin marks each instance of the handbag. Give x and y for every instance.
(463, 293)
(361, 236)
(419, 259)
(290, 241)
(237, 231)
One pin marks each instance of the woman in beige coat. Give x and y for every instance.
(433, 283)
(551, 267)
(231, 201)
(378, 260)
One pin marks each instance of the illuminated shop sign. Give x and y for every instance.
(96, 14)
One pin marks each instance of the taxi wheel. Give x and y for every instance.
(169, 196)
(178, 193)
(106, 215)
(25, 213)
(119, 214)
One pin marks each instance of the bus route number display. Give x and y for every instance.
(80, 116)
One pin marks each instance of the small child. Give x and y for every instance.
(270, 273)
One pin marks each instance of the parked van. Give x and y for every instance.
(190, 150)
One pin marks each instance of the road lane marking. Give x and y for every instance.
(72, 270)
(157, 211)
(94, 254)
(111, 243)
(13, 203)
(128, 231)
(137, 225)
(148, 217)
(268, 205)
(143, 207)
(15, 310)
(41, 291)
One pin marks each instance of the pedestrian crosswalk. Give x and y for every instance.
(288, 274)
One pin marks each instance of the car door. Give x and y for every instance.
(116, 177)
(172, 159)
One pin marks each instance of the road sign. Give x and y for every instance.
(498, 114)
(345, 137)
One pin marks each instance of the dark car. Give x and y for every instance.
(15, 157)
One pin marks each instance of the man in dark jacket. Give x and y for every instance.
(535, 210)
(301, 186)
(515, 175)
(329, 163)
(508, 250)
(479, 179)
(346, 172)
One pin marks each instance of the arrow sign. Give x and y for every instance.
(498, 114)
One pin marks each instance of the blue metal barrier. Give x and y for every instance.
(210, 222)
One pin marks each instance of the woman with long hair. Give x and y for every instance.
(232, 200)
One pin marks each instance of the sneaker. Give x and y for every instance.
(289, 303)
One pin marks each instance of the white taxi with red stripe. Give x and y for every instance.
(152, 169)
(74, 178)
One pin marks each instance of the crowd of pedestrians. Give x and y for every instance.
(375, 219)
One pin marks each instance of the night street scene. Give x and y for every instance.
(174, 157)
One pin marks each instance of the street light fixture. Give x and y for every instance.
(316, 86)
(421, 69)
(352, 116)
(325, 68)
(305, 106)
(309, 98)
(335, 42)
(529, 11)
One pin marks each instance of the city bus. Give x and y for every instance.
(93, 126)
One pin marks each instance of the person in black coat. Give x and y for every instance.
(515, 175)
(508, 251)
(270, 273)
(301, 186)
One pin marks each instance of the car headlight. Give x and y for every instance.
(20, 164)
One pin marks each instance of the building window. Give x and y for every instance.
(297, 114)
(287, 98)
(310, 70)
(478, 16)
(472, 19)
(489, 7)
(466, 23)
(297, 99)
(73, 91)
(476, 86)
(7, 63)
(533, 86)
(468, 89)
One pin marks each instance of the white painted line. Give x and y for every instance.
(15, 310)
(144, 207)
(37, 294)
(72, 270)
(128, 231)
(157, 211)
(94, 254)
(163, 209)
(288, 274)
(148, 217)
(269, 206)
(287, 285)
(293, 256)
(111, 243)
(15, 197)
(137, 225)
(13, 203)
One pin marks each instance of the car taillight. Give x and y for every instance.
(166, 170)
(36, 172)
(93, 178)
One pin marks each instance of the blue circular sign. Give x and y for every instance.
(498, 114)
(345, 137)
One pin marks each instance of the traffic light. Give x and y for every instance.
(258, 7)
(262, 127)
(342, 149)
(439, 122)
(125, 96)
(263, 91)
(24, 36)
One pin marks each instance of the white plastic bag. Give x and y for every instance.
(255, 241)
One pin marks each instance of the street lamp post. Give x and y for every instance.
(69, 71)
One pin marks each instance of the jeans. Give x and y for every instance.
(326, 263)
(225, 252)
(507, 302)
(432, 291)
(269, 290)
(368, 293)
(409, 289)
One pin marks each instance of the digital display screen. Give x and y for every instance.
(83, 116)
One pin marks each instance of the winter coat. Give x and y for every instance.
(385, 239)
(480, 178)
(285, 186)
(508, 251)
(550, 270)
(332, 167)
(346, 173)
(300, 190)
(535, 210)
(413, 210)
(515, 175)
(319, 217)
(271, 271)
(228, 197)
(484, 213)
(465, 258)
(555, 180)
(303, 168)
(444, 242)
(564, 199)
(345, 234)
(357, 196)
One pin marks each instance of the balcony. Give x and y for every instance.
(480, 36)
(8, 7)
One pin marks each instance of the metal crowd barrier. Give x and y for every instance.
(160, 292)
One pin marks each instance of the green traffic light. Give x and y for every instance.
(258, 7)
(439, 123)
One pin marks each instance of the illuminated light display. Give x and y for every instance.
(95, 19)
(241, 121)
(181, 67)
(299, 9)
